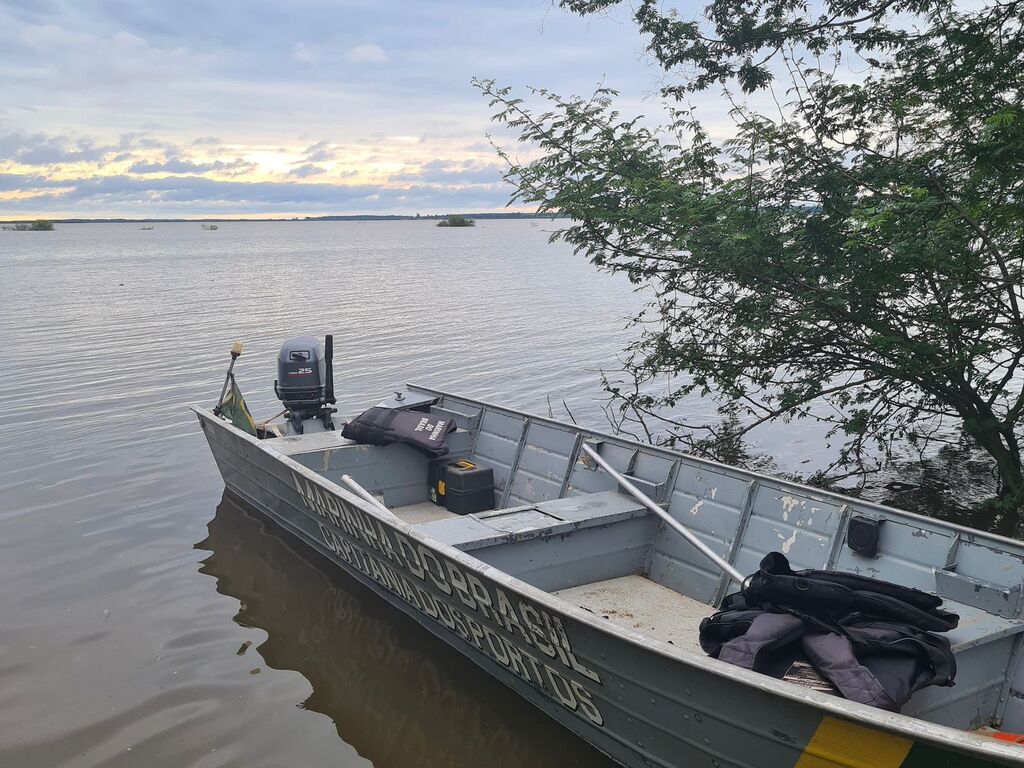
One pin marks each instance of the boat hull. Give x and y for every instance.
(635, 700)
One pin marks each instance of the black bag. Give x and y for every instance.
(425, 432)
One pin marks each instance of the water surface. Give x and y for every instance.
(146, 621)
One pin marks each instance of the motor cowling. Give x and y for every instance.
(305, 380)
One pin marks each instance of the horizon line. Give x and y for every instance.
(324, 217)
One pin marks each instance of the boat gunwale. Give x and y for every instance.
(727, 469)
(892, 722)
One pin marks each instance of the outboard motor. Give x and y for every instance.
(305, 380)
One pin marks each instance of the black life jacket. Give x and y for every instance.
(834, 595)
(869, 639)
(425, 432)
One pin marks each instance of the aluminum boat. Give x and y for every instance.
(577, 589)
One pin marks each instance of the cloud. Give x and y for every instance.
(320, 152)
(191, 195)
(45, 38)
(128, 40)
(140, 140)
(44, 149)
(142, 91)
(304, 52)
(451, 172)
(305, 171)
(178, 165)
(16, 182)
(368, 53)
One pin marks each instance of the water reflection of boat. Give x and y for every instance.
(397, 694)
(582, 578)
(209, 227)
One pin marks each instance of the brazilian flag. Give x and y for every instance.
(237, 412)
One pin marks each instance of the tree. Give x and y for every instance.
(854, 256)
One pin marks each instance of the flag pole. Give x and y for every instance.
(236, 352)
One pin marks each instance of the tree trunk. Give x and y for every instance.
(1004, 449)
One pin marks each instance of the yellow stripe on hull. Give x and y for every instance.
(841, 744)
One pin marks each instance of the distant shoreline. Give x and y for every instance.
(354, 217)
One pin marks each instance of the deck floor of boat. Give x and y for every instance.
(640, 604)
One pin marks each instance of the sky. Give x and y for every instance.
(194, 108)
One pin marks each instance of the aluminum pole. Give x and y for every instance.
(365, 495)
(678, 527)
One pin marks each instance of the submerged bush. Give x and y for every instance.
(456, 220)
(40, 225)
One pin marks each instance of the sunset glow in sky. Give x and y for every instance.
(254, 108)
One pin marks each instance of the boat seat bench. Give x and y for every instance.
(395, 473)
(978, 626)
(557, 544)
(987, 649)
(558, 516)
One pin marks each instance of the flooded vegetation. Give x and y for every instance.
(40, 225)
(456, 220)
